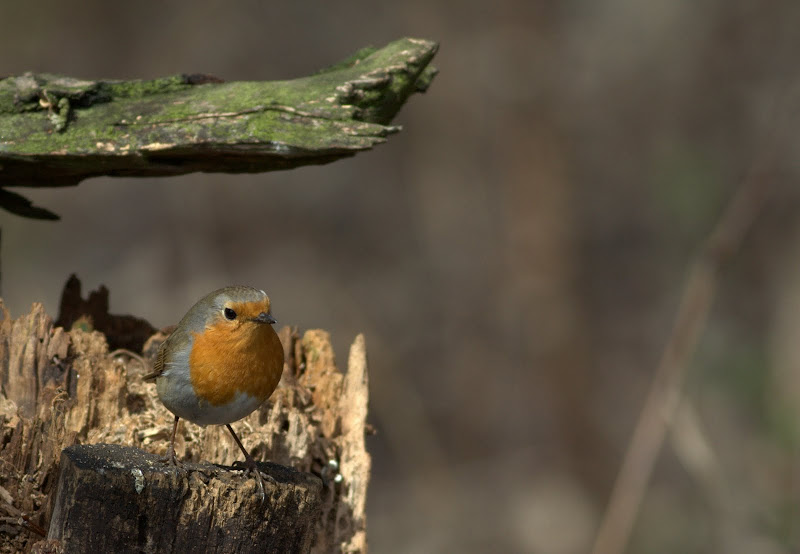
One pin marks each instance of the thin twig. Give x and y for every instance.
(18, 518)
(132, 355)
(665, 392)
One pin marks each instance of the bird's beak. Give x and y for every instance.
(264, 317)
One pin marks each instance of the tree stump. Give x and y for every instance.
(120, 499)
(60, 388)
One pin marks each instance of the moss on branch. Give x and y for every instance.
(57, 131)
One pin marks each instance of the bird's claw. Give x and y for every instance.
(170, 459)
(251, 467)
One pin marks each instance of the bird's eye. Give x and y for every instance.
(229, 314)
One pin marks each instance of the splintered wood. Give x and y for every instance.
(59, 388)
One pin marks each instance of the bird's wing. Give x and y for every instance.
(158, 364)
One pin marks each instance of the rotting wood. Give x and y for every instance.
(62, 387)
(121, 331)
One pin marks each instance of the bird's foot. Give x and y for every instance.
(170, 459)
(249, 465)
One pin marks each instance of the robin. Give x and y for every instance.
(223, 361)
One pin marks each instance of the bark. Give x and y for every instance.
(115, 498)
(57, 131)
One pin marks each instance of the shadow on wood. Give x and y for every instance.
(115, 498)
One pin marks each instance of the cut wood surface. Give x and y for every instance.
(114, 498)
(62, 387)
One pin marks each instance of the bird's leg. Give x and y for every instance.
(170, 459)
(250, 463)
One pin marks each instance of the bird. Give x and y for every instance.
(222, 361)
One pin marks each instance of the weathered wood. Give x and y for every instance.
(121, 331)
(57, 131)
(115, 498)
(62, 387)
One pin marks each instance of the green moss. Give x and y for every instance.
(77, 129)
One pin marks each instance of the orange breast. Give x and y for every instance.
(227, 358)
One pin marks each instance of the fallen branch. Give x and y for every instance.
(57, 131)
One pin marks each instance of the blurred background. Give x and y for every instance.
(514, 256)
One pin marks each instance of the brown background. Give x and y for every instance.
(514, 256)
